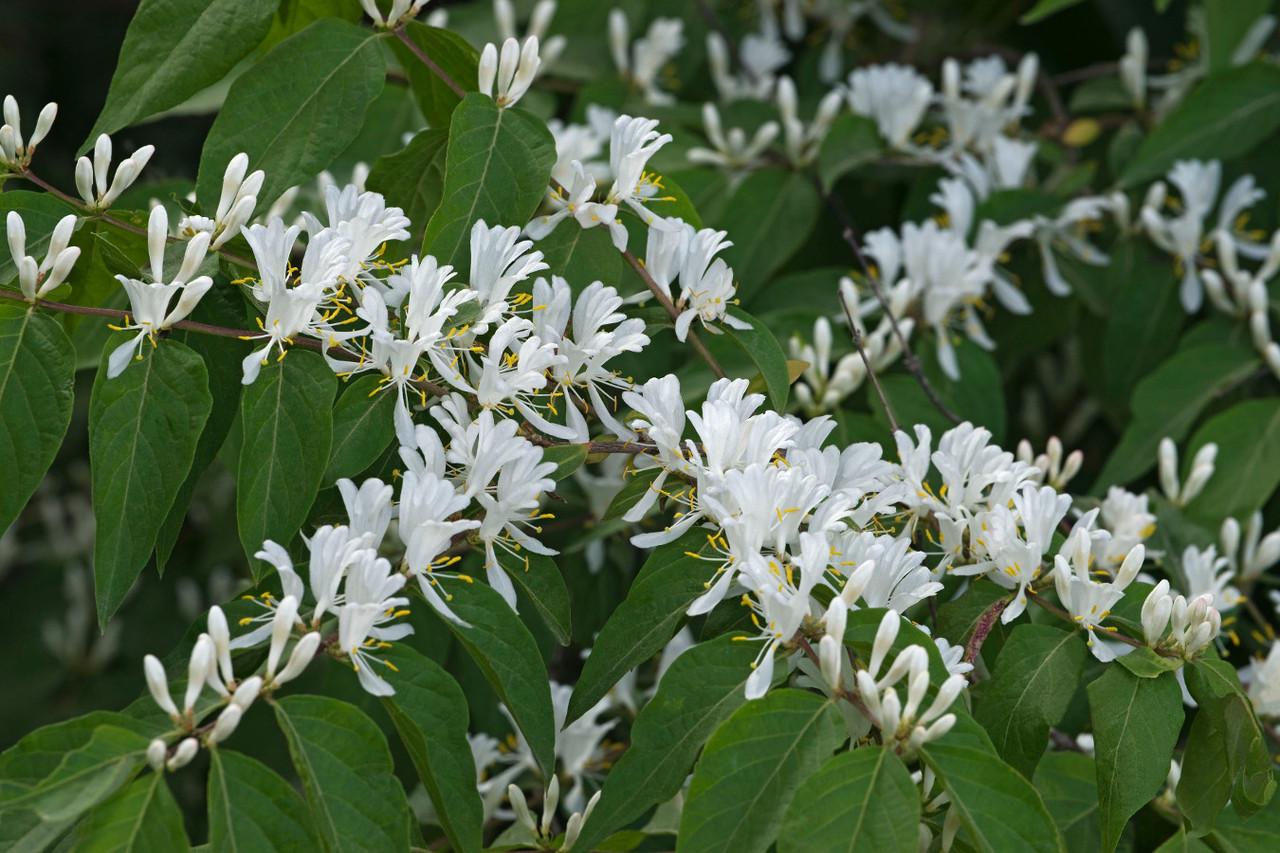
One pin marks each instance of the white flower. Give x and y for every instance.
(427, 503)
(512, 505)
(504, 14)
(1054, 470)
(499, 261)
(1191, 625)
(235, 205)
(894, 96)
(91, 175)
(513, 70)
(368, 509)
(363, 621)
(36, 280)
(706, 283)
(1090, 602)
(1260, 552)
(1207, 574)
(1202, 466)
(642, 61)
(802, 142)
(632, 142)
(575, 200)
(513, 371)
(732, 150)
(149, 312)
(401, 10)
(15, 152)
(1263, 679)
(363, 222)
(1133, 67)
(898, 578)
(1125, 515)
(952, 657)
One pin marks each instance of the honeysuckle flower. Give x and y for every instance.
(368, 508)
(825, 386)
(1090, 602)
(1054, 469)
(982, 99)
(401, 10)
(800, 141)
(513, 372)
(220, 633)
(235, 205)
(1239, 292)
(1190, 626)
(897, 579)
(1262, 678)
(513, 505)
(157, 751)
(641, 62)
(1259, 553)
(575, 200)
(15, 152)
(36, 280)
(182, 754)
(895, 97)
(363, 620)
(706, 283)
(1182, 493)
(149, 302)
(499, 261)
(632, 142)
(478, 448)
(1207, 574)
(1126, 517)
(952, 657)
(427, 503)
(761, 56)
(158, 685)
(513, 70)
(733, 150)
(92, 175)
(504, 15)
(1133, 67)
(362, 220)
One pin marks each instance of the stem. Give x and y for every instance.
(673, 312)
(1111, 635)
(982, 629)
(628, 447)
(855, 333)
(427, 61)
(849, 232)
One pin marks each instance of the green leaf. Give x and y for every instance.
(1135, 727)
(1248, 463)
(1233, 737)
(1038, 672)
(1167, 402)
(222, 306)
(37, 389)
(1045, 8)
(853, 141)
(413, 177)
(568, 458)
(759, 343)
(1227, 22)
(294, 124)
(507, 654)
(287, 417)
(751, 768)
(702, 687)
(430, 713)
(60, 771)
(638, 483)
(863, 799)
(144, 426)
(582, 256)
(997, 806)
(1259, 833)
(40, 213)
(143, 817)
(252, 808)
(1144, 662)
(453, 55)
(1182, 842)
(1225, 116)
(1145, 317)
(646, 619)
(978, 395)
(768, 217)
(496, 169)
(363, 427)
(355, 799)
(175, 48)
(539, 580)
(1068, 783)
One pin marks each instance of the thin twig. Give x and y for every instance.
(79, 204)
(429, 62)
(665, 301)
(628, 447)
(849, 232)
(1110, 635)
(855, 333)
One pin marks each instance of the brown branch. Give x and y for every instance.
(628, 447)
(673, 312)
(849, 232)
(1110, 634)
(428, 61)
(855, 334)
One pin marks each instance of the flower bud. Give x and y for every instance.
(281, 627)
(226, 723)
(220, 633)
(886, 633)
(183, 754)
(1168, 459)
(303, 652)
(156, 751)
(198, 668)
(247, 692)
(158, 684)
(521, 807)
(549, 804)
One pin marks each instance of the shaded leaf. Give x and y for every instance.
(142, 817)
(861, 799)
(363, 427)
(252, 808)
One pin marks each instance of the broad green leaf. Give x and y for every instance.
(1227, 22)
(582, 255)
(143, 817)
(507, 654)
(978, 395)
(751, 767)
(1224, 116)
(1205, 784)
(40, 213)
(294, 124)
(430, 713)
(998, 808)
(539, 580)
(1259, 833)
(175, 48)
(1248, 463)
(1045, 8)
(252, 808)
(1038, 672)
(759, 343)
(295, 15)
(1233, 737)
(144, 426)
(568, 458)
(702, 687)
(222, 306)
(37, 389)
(287, 421)
(1144, 662)
(342, 758)
(363, 427)
(496, 169)
(1167, 402)
(60, 771)
(1145, 317)
(768, 218)
(413, 178)
(453, 55)
(646, 619)
(852, 142)
(1135, 727)
(863, 799)
(1182, 842)
(1068, 783)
